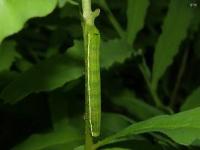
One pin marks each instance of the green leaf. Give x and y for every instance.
(54, 72)
(116, 148)
(6, 77)
(192, 101)
(135, 106)
(23, 65)
(67, 133)
(77, 50)
(61, 3)
(66, 137)
(119, 121)
(136, 12)
(48, 75)
(195, 21)
(116, 49)
(183, 128)
(62, 108)
(174, 31)
(13, 14)
(79, 148)
(7, 55)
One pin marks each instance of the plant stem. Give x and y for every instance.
(147, 77)
(179, 78)
(143, 68)
(87, 20)
(112, 18)
(121, 32)
(86, 6)
(88, 136)
(105, 141)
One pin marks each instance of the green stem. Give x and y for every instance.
(88, 136)
(112, 18)
(87, 16)
(112, 139)
(165, 140)
(147, 77)
(143, 68)
(104, 142)
(121, 32)
(86, 6)
(179, 78)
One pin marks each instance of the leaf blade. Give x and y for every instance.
(135, 106)
(54, 72)
(174, 32)
(192, 101)
(13, 14)
(46, 76)
(66, 135)
(136, 13)
(183, 128)
(7, 55)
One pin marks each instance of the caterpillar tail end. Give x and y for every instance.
(95, 130)
(95, 134)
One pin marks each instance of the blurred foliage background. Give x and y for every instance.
(42, 77)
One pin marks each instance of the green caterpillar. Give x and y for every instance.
(93, 85)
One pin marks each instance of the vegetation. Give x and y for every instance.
(52, 96)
